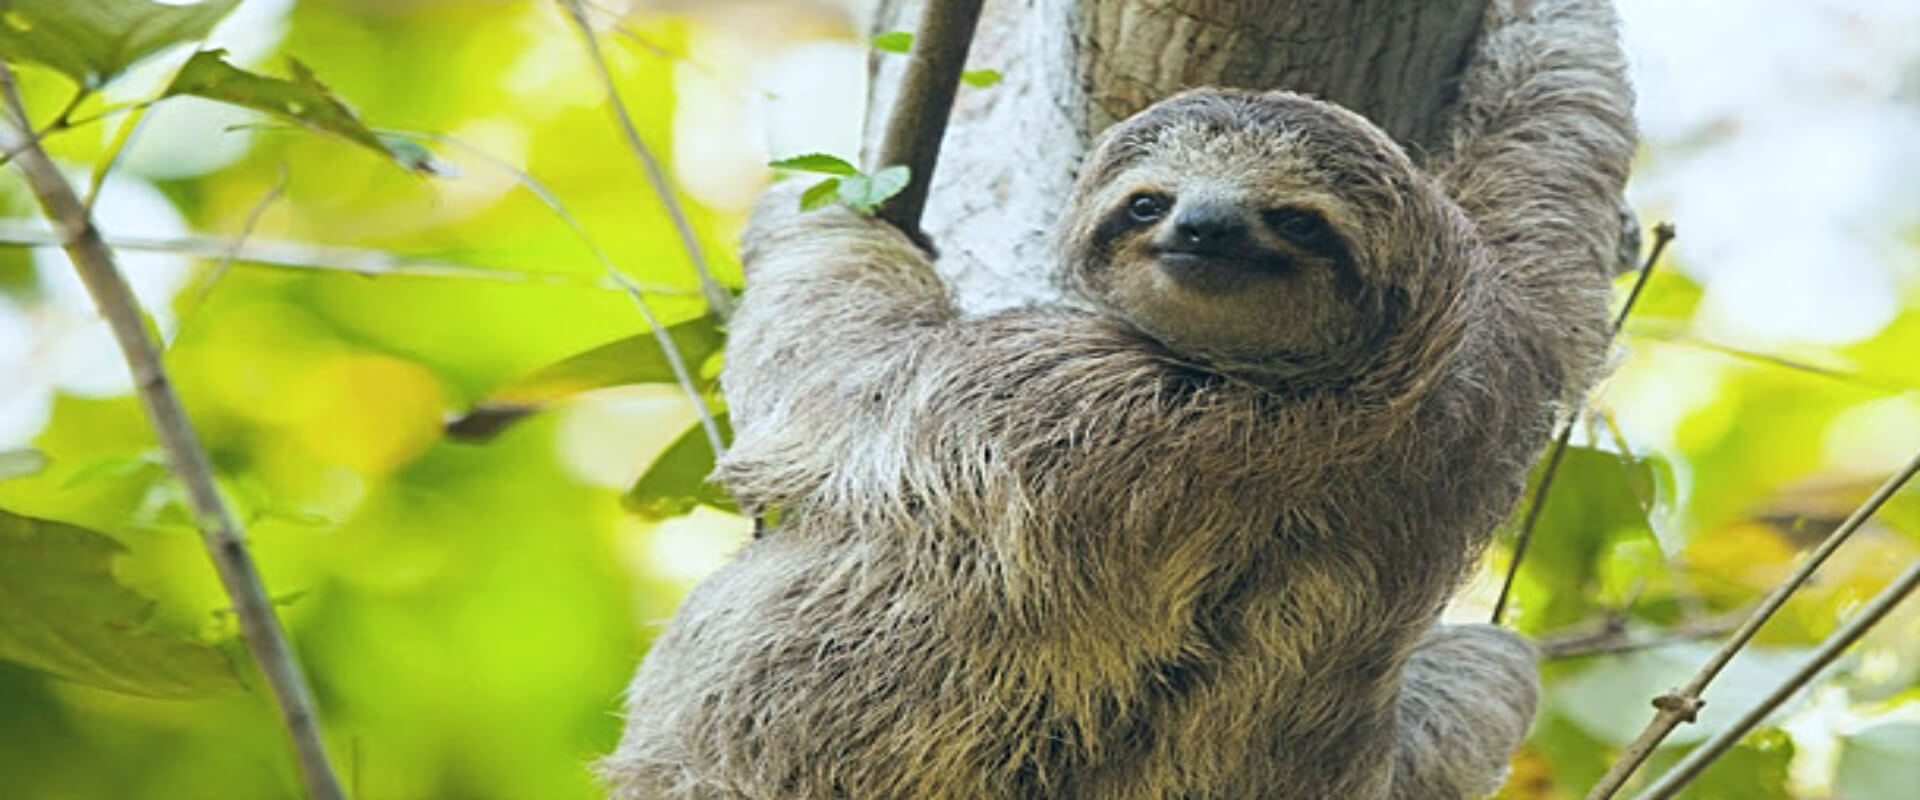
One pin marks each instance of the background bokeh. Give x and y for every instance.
(469, 612)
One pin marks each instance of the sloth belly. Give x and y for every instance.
(807, 669)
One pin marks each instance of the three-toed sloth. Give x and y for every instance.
(1191, 540)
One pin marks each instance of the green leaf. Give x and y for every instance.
(1754, 769)
(865, 193)
(893, 42)
(114, 467)
(820, 194)
(634, 359)
(1881, 761)
(1599, 502)
(816, 162)
(62, 612)
(93, 41)
(21, 463)
(980, 78)
(303, 101)
(677, 480)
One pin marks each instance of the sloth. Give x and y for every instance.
(1189, 537)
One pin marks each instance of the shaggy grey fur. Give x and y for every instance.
(1190, 544)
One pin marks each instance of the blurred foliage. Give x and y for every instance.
(469, 607)
(93, 42)
(468, 613)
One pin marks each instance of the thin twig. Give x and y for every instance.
(109, 111)
(60, 122)
(1617, 639)
(185, 456)
(718, 301)
(32, 139)
(122, 140)
(64, 119)
(612, 19)
(69, 123)
(675, 362)
(1662, 234)
(1534, 507)
(1641, 494)
(1682, 705)
(1667, 334)
(304, 256)
(219, 271)
(1877, 609)
(920, 111)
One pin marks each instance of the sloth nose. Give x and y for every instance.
(1208, 225)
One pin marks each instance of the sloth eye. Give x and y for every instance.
(1299, 225)
(1146, 207)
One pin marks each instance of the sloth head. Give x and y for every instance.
(1265, 233)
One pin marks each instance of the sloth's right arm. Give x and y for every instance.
(831, 295)
(838, 310)
(1541, 140)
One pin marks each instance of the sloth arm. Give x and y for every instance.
(1539, 147)
(839, 309)
(1541, 142)
(1466, 701)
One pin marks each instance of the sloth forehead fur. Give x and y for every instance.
(1260, 232)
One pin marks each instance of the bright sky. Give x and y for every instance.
(1784, 140)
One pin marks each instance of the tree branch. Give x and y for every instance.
(1682, 705)
(205, 285)
(1697, 761)
(1677, 335)
(925, 101)
(718, 301)
(1615, 638)
(357, 261)
(185, 457)
(61, 121)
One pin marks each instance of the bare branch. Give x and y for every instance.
(1668, 334)
(1662, 234)
(1616, 638)
(1697, 761)
(920, 111)
(611, 19)
(1681, 705)
(185, 457)
(357, 261)
(219, 271)
(1534, 507)
(718, 301)
(61, 121)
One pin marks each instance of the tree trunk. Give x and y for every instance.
(1073, 67)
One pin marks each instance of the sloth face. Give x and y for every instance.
(1209, 241)
(1243, 229)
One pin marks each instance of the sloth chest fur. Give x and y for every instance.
(1010, 683)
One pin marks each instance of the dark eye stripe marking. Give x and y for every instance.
(1310, 231)
(1305, 228)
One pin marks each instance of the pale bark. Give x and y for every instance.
(1073, 67)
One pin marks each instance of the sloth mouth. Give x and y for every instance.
(1220, 269)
